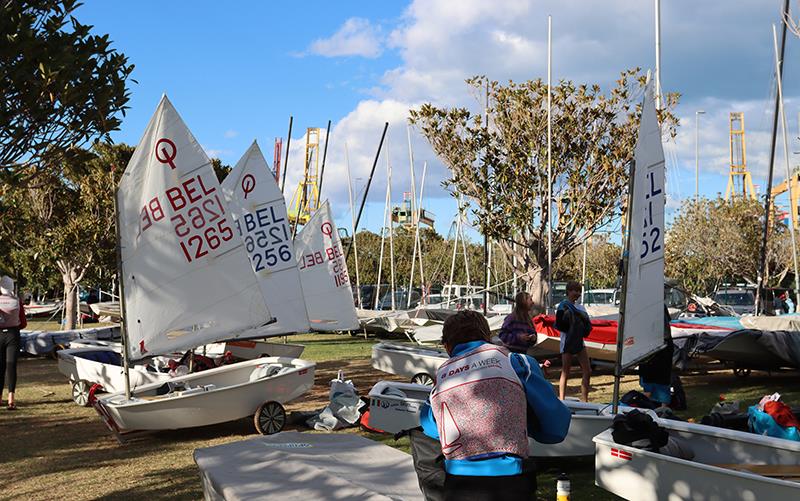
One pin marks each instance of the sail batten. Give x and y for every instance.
(187, 280)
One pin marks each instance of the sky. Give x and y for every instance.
(236, 71)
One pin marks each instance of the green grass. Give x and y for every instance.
(53, 449)
(41, 324)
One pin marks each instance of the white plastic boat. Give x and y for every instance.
(39, 343)
(416, 363)
(395, 407)
(727, 465)
(187, 281)
(256, 387)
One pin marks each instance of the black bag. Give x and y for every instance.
(638, 429)
(638, 399)
(678, 401)
(428, 463)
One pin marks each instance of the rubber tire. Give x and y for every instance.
(56, 349)
(422, 378)
(270, 418)
(741, 373)
(80, 392)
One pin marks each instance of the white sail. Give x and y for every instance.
(323, 272)
(186, 275)
(258, 207)
(644, 303)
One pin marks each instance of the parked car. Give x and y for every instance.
(742, 299)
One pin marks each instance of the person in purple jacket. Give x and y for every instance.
(485, 404)
(517, 332)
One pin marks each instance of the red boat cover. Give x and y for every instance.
(603, 331)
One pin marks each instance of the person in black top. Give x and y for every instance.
(574, 324)
(655, 373)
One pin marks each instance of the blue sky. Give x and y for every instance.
(237, 70)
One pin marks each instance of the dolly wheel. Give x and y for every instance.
(55, 350)
(270, 418)
(742, 373)
(422, 378)
(80, 392)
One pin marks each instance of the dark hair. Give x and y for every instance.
(572, 285)
(521, 311)
(465, 326)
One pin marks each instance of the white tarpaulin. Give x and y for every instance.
(644, 301)
(186, 274)
(293, 465)
(323, 273)
(259, 210)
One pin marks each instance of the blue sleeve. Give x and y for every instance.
(548, 417)
(428, 422)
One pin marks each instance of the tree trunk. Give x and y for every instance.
(538, 288)
(71, 275)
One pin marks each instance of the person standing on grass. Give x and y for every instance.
(485, 404)
(517, 332)
(12, 319)
(572, 321)
(655, 373)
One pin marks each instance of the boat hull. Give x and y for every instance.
(407, 360)
(648, 476)
(395, 407)
(216, 396)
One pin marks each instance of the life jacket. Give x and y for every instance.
(479, 405)
(9, 312)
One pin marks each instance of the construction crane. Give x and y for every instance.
(305, 200)
(740, 182)
(782, 188)
(404, 215)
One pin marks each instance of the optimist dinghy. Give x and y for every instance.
(186, 282)
(717, 464)
(395, 407)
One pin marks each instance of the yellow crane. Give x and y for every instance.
(740, 182)
(305, 200)
(782, 188)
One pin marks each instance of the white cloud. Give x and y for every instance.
(230, 133)
(356, 37)
(217, 153)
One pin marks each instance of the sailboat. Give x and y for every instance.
(186, 281)
(714, 463)
(323, 274)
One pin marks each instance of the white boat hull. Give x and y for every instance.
(407, 360)
(392, 412)
(46, 342)
(93, 366)
(648, 476)
(215, 396)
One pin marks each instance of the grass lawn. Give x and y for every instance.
(54, 449)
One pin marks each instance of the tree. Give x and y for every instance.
(61, 86)
(711, 241)
(602, 264)
(220, 169)
(64, 224)
(500, 164)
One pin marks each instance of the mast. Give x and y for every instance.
(549, 165)
(124, 317)
(383, 242)
(768, 192)
(324, 157)
(785, 131)
(625, 271)
(486, 251)
(286, 162)
(658, 54)
(369, 182)
(353, 221)
(414, 218)
(455, 252)
(418, 238)
(391, 224)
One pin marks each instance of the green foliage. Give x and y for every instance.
(65, 222)
(711, 241)
(602, 264)
(220, 169)
(499, 163)
(61, 87)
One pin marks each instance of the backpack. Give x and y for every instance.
(678, 401)
(638, 429)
